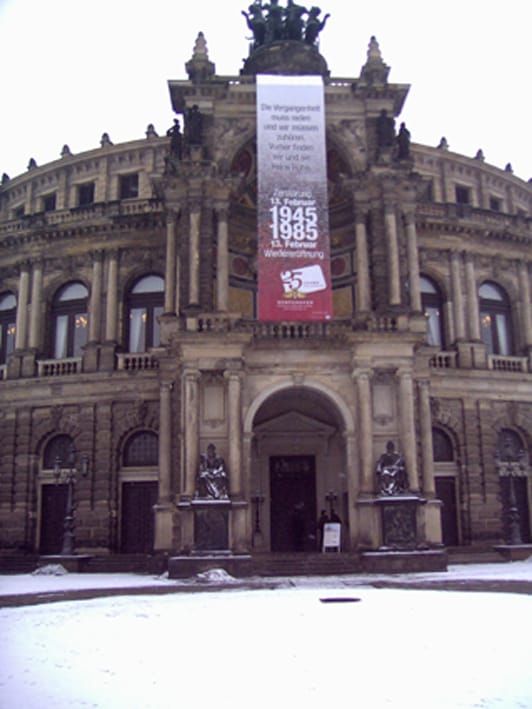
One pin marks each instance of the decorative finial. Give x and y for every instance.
(105, 140)
(199, 68)
(65, 152)
(374, 71)
(5, 178)
(444, 145)
(32, 164)
(509, 167)
(479, 155)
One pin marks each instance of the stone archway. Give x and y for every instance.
(298, 457)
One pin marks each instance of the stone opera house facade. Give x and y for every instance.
(130, 341)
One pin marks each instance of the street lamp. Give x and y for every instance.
(512, 466)
(69, 473)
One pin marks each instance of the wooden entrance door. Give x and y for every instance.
(293, 503)
(53, 508)
(138, 524)
(446, 492)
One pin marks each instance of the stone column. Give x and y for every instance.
(194, 255)
(191, 398)
(362, 379)
(363, 297)
(473, 315)
(222, 259)
(408, 427)
(165, 440)
(95, 312)
(35, 313)
(112, 297)
(170, 272)
(427, 454)
(526, 317)
(458, 298)
(234, 387)
(413, 262)
(164, 509)
(22, 307)
(393, 256)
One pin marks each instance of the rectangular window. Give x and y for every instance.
(85, 194)
(463, 194)
(495, 204)
(18, 212)
(80, 333)
(137, 329)
(129, 186)
(60, 346)
(48, 202)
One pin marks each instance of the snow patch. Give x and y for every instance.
(215, 576)
(50, 570)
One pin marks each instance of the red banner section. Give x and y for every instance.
(293, 218)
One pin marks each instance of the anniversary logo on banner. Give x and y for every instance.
(293, 219)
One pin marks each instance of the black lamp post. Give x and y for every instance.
(512, 466)
(66, 472)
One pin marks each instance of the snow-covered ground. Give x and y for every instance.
(269, 649)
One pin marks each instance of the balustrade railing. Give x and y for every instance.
(443, 360)
(137, 362)
(58, 367)
(502, 363)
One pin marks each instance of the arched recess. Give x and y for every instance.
(447, 482)
(513, 466)
(139, 474)
(298, 456)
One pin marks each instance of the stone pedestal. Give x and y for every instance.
(211, 526)
(402, 528)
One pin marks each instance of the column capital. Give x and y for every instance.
(97, 255)
(191, 374)
(362, 373)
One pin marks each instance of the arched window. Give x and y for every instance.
(8, 316)
(442, 446)
(57, 447)
(432, 304)
(145, 303)
(141, 450)
(495, 319)
(69, 320)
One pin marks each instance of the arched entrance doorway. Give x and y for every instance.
(298, 468)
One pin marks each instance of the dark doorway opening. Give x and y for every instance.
(53, 508)
(138, 524)
(293, 503)
(446, 492)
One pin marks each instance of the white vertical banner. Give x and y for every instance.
(293, 217)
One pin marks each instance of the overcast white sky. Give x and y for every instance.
(73, 69)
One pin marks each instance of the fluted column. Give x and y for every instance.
(194, 254)
(427, 453)
(112, 297)
(191, 383)
(170, 272)
(473, 315)
(408, 427)
(36, 301)
(222, 259)
(165, 440)
(524, 288)
(95, 311)
(458, 298)
(362, 379)
(413, 262)
(234, 388)
(393, 256)
(22, 307)
(363, 299)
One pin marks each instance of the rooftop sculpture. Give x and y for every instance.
(272, 23)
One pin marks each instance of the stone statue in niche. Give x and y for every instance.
(194, 125)
(212, 480)
(403, 143)
(385, 130)
(391, 472)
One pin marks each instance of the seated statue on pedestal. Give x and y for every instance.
(391, 472)
(211, 480)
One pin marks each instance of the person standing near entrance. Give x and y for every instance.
(322, 521)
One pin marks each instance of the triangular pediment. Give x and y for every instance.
(294, 423)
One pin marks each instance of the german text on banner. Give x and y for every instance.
(293, 219)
